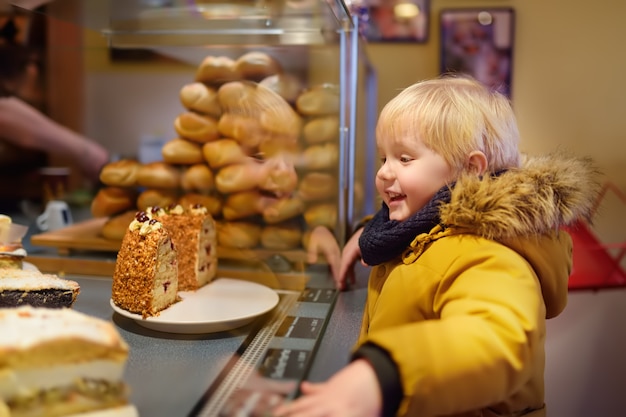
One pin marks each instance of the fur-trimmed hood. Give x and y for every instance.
(542, 195)
(524, 209)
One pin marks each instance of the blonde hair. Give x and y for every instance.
(453, 116)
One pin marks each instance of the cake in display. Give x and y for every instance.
(194, 235)
(60, 362)
(145, 278)
(20, 287)
(12, 252)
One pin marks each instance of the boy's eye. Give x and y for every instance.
(405, 159)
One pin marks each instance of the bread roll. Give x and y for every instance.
(212, 203)
(200, 98)
(217, 70)
(115, 227)
(156, 198)
(223, 152)
(232, 96)
(182, 152)
(277, 175)
(319, 101)
(197, 177)
(256, 65)
(281, 237)
(241, 205)
(321, 215)
(321, 129)
(112, 200)
(122, 173)
(240, 235)
(286, 85)
(158, 174)
(276, 211)
(237, 177)
(196, 127)
(321, 157)
(245, 130)
(316, 186)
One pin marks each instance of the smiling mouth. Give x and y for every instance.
(393, 197)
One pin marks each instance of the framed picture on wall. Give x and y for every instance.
(479, 42)
(396, 20)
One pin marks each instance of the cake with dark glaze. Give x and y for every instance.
(24, 287)
(145, 278)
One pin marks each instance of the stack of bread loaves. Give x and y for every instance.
(254, 146)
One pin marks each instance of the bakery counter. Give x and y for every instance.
(169, 374)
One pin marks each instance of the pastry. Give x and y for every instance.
(60, 362)
(20, 287)
(110, 201)
(145, 278)
(122, 173)
(200, 98)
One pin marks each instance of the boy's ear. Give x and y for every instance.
(477, 163)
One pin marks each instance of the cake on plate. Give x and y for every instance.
(145, 278)
(195, 238)
(60, 362)
(19, 287)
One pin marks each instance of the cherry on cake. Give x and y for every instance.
(145, 278)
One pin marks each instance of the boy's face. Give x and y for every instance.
(410, 175)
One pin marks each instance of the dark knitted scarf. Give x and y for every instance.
(383, 240)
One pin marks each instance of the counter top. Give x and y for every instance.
(169, 373)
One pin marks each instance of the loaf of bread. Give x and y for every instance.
(212, 202)
(321, 215)
(223, 152)
(276, 211)
(319, 101)
(196, 127)
(158, 174)
(284, 236)
(237, 177)
(286, 85)
(122, 173)
(183, 152)
(199, 97)
(115, 227)
(112, 200)
(256, 65)
(240, 235)
(321, 129)
(246, 130)
(217, 70)
(324, 156)
(156, 198)
(316, 186)
(241, 205)
(197, 177)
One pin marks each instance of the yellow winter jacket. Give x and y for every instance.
(462, 312)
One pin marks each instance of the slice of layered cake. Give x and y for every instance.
(20, 287)
(12, 252)
(145, 278)
(195, 238)
(59, 362)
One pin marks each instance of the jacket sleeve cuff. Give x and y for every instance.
(387, 374)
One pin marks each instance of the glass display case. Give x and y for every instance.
(275, 128)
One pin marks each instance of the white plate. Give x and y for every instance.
(223, 304)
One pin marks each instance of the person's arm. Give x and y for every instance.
(26, 127)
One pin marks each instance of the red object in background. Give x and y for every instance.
(596, 265)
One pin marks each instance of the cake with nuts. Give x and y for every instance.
(60, 362)
(145, 278)
(193, 232)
